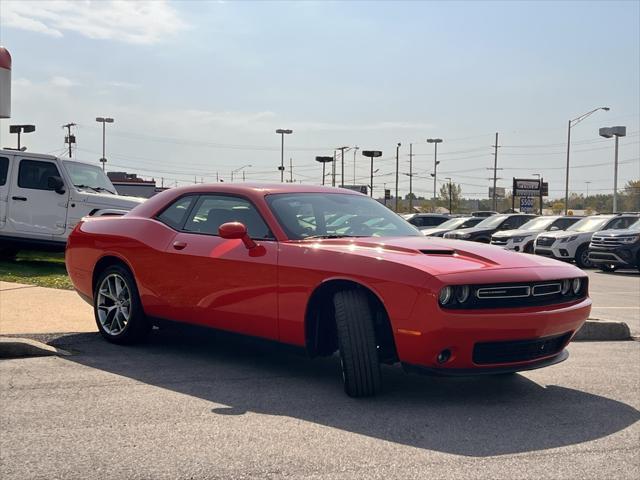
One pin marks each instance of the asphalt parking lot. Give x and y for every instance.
(616, 296)
(197, 406)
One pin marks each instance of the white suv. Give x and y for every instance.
(573, 243)
(522, 239)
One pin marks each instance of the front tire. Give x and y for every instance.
(357, 344)
(117, 308)
(582, 257)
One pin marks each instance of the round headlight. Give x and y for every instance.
(462, 293)
(566, 287)
(446, 294)
(575, 285)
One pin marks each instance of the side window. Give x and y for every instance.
(620, 223)
(4, 170)
(35, 175)
(211, 211)
(174, 215)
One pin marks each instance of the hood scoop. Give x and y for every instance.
(437, 251)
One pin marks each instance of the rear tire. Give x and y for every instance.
(528, 248)
(582, 257)
(117, 308)
(357, 344)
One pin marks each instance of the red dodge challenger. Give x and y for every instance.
(328, 270)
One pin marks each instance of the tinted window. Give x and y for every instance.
(175, 214)
(621, 223)
(4, 170)
(35, 175)
(304, 215)
(211, 211)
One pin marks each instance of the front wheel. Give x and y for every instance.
(357, 344)
(117, 308)
(582, 257)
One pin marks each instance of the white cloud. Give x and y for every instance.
(62, 82)
(139, 22)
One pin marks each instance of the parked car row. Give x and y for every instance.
(608, 242)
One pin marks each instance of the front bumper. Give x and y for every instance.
(622, 256)
(459, 332)
(557, 252)
(461, 372)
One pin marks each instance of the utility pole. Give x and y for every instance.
(450, 196)
(411, 177)
(355, 151)
(282, 132)
(342, 150)
(333, 170)
(290, 170)
(70, 139)
(397, 170)
(435, 141)
(495, 174)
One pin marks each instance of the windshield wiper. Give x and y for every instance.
(95, 189)
(85, 186)
(332, 236)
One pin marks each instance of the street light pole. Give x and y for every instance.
(608, 133)
(282, 132)
(573, 123)
(103, 120)
(342, 150)
(324, 161)
(355, 151)
(435, 141)
(371, 154)
(411, 177)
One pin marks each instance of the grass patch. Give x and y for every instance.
(36, 268)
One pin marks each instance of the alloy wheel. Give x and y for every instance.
(114, 304)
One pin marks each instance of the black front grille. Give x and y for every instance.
(499, 240)
(518, 295)
(545, 241)
(519, 350)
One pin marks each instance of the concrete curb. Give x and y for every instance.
(14, 347)
(603, 330)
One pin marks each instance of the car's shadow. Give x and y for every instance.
(477, 416)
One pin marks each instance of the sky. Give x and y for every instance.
(197, 89)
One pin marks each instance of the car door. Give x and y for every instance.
(4, 188)
(218, 282)
(34, 207)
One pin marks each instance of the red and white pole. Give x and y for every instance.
(5, 83)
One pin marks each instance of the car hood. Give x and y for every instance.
(563, 234)
(432, 231)
(616, 233)
(471, 230)
(517, 233)
(434, 255)
(108, 200)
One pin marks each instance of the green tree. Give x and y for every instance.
(456, 195)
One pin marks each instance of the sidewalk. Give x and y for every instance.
(29, 309)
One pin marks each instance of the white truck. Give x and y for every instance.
(43, 197)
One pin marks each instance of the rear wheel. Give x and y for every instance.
(528, 248)
(117, 308)
(357, 344)
(582, 257)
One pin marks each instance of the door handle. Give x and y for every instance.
(21, 199)
(179, 245)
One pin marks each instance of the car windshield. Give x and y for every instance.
(492, 222)
(635, 226)
(322, 215)
(589, 224)
(453, 223)
(539, 223)
(89, 177)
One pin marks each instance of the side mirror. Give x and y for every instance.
(56, 184)
(236, 231)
